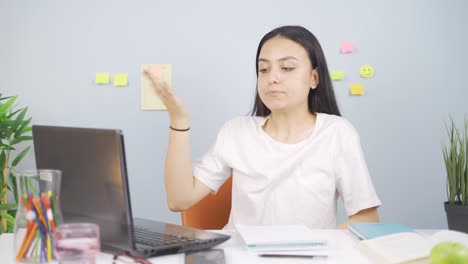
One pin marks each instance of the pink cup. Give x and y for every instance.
(77, 243)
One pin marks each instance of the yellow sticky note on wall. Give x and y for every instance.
(149, 99)
(366, 71)
(102, 78)
(356, 89)
(337, 75)
(121, 79)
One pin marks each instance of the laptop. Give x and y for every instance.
(95, 189)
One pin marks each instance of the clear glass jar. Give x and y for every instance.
(38, 215)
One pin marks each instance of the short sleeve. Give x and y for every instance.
(353, 181)
(211, 169)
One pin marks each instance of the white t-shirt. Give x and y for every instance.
(279, 184)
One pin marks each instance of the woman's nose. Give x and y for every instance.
(274, 77)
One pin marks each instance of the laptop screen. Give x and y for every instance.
(94, 183)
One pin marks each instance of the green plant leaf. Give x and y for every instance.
(8, 148)
(455, 155)
(2, 167)
(11, 226)
(13, 114)
(6, 106)
(13, 128)
(7, 207)
(27, 129)
(20, 139)
(5, 129)
(465, 173)
(19, 120)
(2, 159)
(20, 157)
(8, 217)
(13, 212)
(1, 227)
(14, 188)
(22, 128)
(449, 153)
(4, 98)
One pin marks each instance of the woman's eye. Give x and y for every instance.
(263, 70)
(288, 68)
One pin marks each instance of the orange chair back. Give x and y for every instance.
(212, 212)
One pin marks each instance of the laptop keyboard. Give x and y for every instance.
(155, 239)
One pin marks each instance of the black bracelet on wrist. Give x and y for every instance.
(180, 130)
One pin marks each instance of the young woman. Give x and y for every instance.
(291, 159)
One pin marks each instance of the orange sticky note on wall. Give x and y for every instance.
(356, 89)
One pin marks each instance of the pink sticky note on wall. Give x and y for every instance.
(347, 47)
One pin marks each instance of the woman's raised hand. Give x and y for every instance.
(178, 113)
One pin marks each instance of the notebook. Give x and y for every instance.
(364, 230)
(95, 189)
(283, 240)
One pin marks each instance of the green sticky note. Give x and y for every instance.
(120, 79)
(337, 75)
(102, 78)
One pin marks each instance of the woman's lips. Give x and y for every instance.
(274, 92)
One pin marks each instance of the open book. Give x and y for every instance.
(410, 247)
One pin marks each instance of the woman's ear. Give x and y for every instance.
(314, 79)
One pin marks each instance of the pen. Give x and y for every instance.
(270, 255)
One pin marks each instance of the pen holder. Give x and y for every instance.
(37, 216)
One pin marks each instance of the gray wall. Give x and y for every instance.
(50, 51)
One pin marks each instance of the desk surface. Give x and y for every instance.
(342, 241)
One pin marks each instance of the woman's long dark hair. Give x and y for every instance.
(322, 98)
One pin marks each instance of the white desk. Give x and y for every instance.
(235, 251)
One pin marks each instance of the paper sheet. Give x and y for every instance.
(149, 99)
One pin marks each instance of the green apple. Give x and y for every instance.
(449, 253)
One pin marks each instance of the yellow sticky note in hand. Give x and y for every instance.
(102, 78)
(337, 75)
(356, 89)
(121, 79)
(149, 99)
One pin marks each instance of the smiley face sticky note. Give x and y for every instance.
(347, 47)
(102, 78)
(337, 75)
(366, 71)
(120, 79)
(149, 99)
(356, 89)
